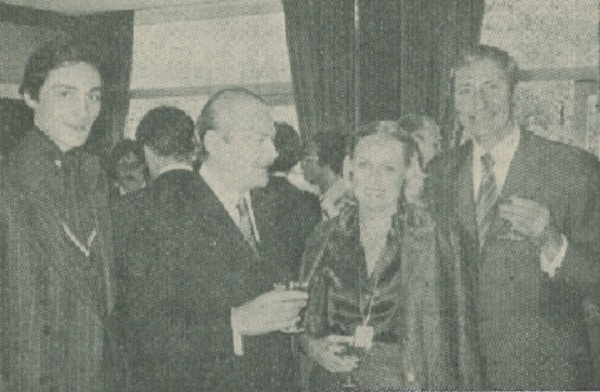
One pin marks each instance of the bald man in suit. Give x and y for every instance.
(203, 305)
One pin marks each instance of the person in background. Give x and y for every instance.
(292, 211)
(529, 210)
(127, 168)
(146, 315)
(375, 318)
(322, 166)
(55, 246)
(425, 132)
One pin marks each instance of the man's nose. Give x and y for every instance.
(82, 107)
(479, 101)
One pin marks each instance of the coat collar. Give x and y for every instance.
(216, 220)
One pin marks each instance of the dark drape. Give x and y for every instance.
(320, 36)
(111, 34)
(405, 53)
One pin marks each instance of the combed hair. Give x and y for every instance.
(331, 149)
(412, 123)
(122, 148)
(507, 63)
(288, 146)
(51, 56)
(389, 129)
(168, 131)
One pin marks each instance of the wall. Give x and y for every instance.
(556, 42)
(21, 31)
(184, 54)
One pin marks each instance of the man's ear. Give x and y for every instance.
(32, 103)
(212, 141)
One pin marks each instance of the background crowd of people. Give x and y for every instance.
(192, 262)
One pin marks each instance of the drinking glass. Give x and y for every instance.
(298, 327)
(510, 233)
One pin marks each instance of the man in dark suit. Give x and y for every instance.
(292, 212)
(200, 310)
(529, 210)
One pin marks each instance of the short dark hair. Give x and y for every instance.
(208, 117)
(168, 131)
(51, 56)
(506, 62)
(389, 129)
(412, 123)
(122, 148)
(289, 148)
(330, 147)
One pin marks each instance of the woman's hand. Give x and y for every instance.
(329, 353)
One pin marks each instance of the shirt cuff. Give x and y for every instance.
(550, 266)
(238, 343)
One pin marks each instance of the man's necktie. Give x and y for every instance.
(245, 223)
(486, 198)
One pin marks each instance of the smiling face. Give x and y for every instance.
(247, 150)
(68, 104)
(378, 171)
(483, 100)
(130, 172)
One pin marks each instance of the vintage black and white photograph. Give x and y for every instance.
(299, 195)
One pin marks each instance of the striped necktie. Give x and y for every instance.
(486, 198)
(245, 223)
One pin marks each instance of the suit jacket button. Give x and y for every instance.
(46, 329)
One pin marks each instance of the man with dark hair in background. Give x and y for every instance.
(56, 251)
(529, 209)
(322, 166)
(127, 168)
(143, 222)
(425, 132)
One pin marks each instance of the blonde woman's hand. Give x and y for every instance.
(329, 353)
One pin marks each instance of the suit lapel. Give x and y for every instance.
(519, 178)
(519, 181)
(217, 222)
(465, 198)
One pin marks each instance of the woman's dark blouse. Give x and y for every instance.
(343, 295)
(410, 348)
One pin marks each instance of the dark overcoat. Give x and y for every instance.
(56, 268)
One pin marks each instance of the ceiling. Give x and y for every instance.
(91, 6)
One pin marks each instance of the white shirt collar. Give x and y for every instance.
(229, 198)
(503, 154)
(174, 166)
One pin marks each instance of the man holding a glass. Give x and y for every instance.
(529, 209)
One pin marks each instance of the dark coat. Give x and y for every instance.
(289, 212)
(55, 299)
(531, 327)
(183, 267)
